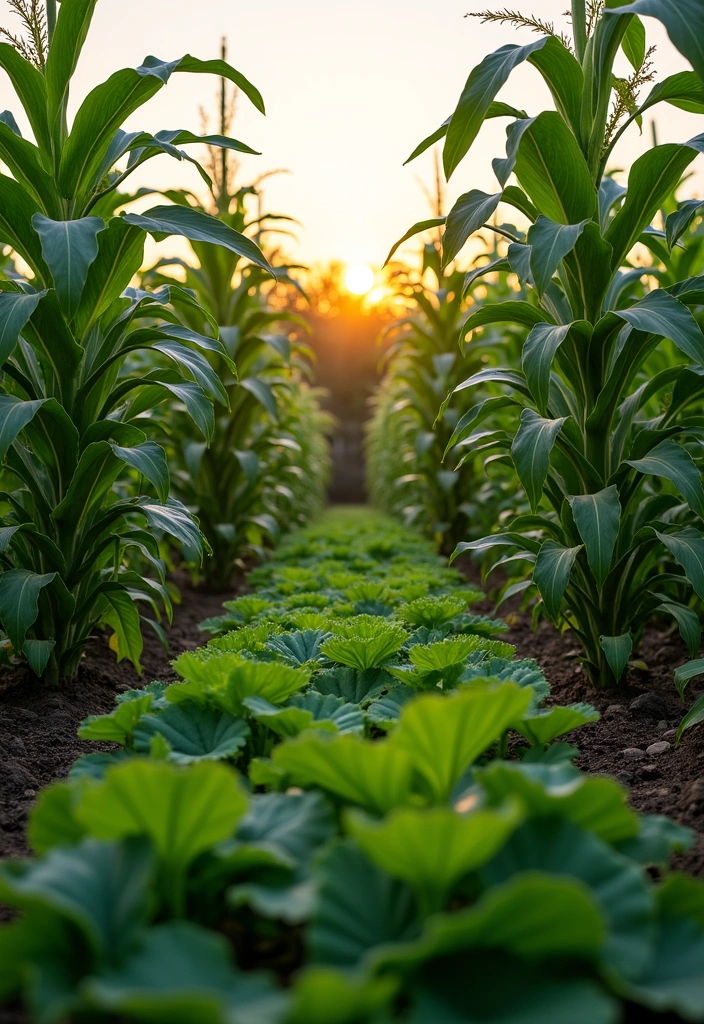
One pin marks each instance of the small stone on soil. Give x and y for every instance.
(670, 734)
(633, 754)
(658, 748)
(615, 709)
(649, 705)
(650, 771)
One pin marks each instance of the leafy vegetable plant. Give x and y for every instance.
(84, 482)
(604, 444)
(381, 849)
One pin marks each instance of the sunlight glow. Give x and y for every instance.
(359, 280)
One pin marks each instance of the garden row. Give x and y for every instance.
(318, 823)
(143, 418)
(560, 444)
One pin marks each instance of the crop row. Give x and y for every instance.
(134, 420)
(318, 823)
(560, 445)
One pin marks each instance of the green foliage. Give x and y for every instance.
(266, 465)
(86, 358)
(600, 422)
(410, 427)
(394, 861)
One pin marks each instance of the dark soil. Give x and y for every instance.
(38, 741)
(643, 710)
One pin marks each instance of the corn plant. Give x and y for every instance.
(604, 447)
(406, 437)
(75, 416)
(266, 464)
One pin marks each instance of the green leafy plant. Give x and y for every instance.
(368, 864)
(84, 482)
(265, 467)
(603, 440)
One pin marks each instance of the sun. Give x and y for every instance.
(359, 280)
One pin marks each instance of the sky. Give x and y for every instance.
(350, 89)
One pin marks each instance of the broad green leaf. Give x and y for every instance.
(597, 517)
(19, 602)
(549, 244)
(683, 89)
(182, 811)
(481, 89)
(685, 673)
(688, 621)
(531, 449)
(386, 711)
(634, 43)
(670, 460)
(174, 519)
(560, 849)
(662, 313)
(120, 255)
(179, 973)
(354, 686)
(375, 776)
(364, 652)
(617, 650)
(494, 986)
(120, 613)
(684, 21)
(30, 85)
(149, 459)
(652, 177)
(17, 208)
(97, 471)
(15, 414)
(679, 221)
(552, 170)
(673, 979)
(544, 726)
(533, 915)
(417, 229)
(325, 996)
(298, 648)
(38, 653)
(287, 719)
(434, 611)
(119, 725)
(193, 733)
(595, 803)
(102, 888)
(298, 825)
(694, 716)
(539, 350)
(687, 548)
(225, 680)
(52, 822)
(69, 248)
(444, 735)
(433, 850)
(263, 394)
(15, 310)
(358, 909)
(553, 568)
(563, 76)
(72, 24)
(197, 227)
(469, 213)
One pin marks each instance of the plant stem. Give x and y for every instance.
(579, 28)
(50, 18)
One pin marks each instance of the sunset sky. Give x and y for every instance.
(350, 89)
